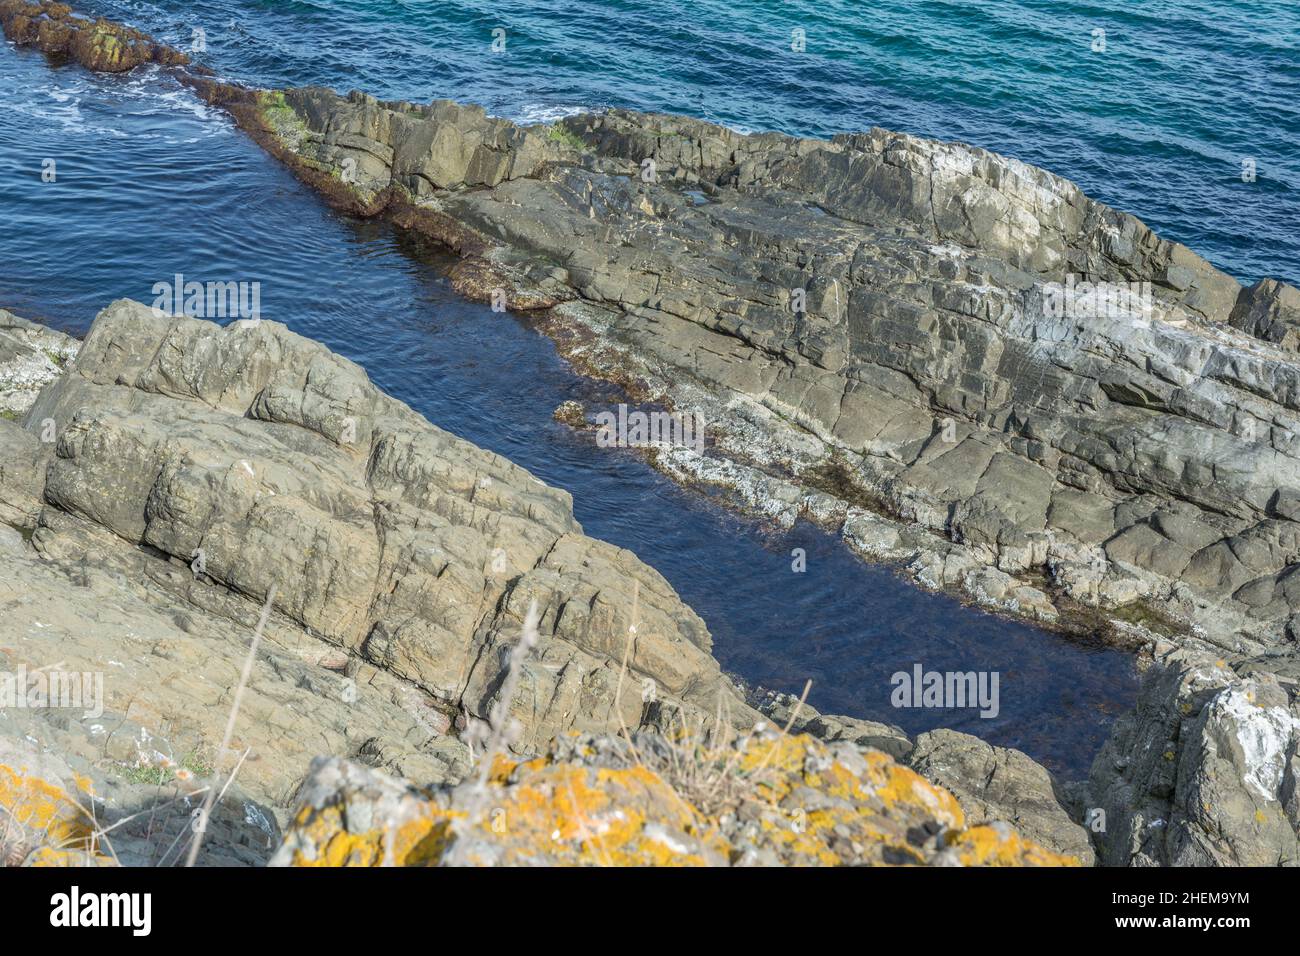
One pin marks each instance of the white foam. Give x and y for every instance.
(547, 112)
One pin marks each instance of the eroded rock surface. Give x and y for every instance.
(215, 463)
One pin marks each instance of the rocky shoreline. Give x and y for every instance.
(924, 399)
(859, 324)
(864, 323)
(178, 474)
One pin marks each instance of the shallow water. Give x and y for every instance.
(150, 182)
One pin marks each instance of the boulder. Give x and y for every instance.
(997, 783)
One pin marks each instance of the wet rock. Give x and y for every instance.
(571, 413)
(96, 44)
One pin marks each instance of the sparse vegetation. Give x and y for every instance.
(566, 137)
(835, 477)
(1144, 615)
(278, 115)
(159, 774)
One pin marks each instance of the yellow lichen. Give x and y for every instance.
(46, 814)
(789, 799)
(993, 846)
(48, 856)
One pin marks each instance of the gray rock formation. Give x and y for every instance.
(233, 460)
(942, 325)
(937, 349)
(1270, 310)
(1204, 772)
(996, 783)
(168, 673)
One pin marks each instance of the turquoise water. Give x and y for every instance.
(151, 183)
(1157, 125)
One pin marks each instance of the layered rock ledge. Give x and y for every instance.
(216, 463)
(920, 397)
(863, 323)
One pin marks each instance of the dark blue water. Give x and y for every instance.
(151, 183)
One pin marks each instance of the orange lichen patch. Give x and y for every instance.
(48, 856)
(789, 761)
(35, 812)
(773, 799)
(323, 839)
(999, 845)
(898, 786)
(575, 816)
(824, 810)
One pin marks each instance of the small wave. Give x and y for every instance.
(546, 113)
(736, 127)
